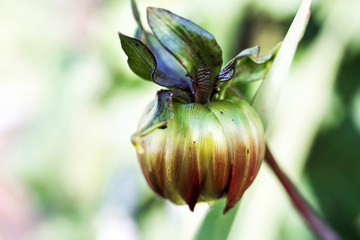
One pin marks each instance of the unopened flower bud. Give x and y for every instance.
(198, 141)
(206, 152)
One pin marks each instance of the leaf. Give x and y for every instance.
(268, 94)
(143, 63)
(245, 68)
(216, 225)
(162, 115)
(195, 49)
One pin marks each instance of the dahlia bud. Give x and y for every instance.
(206, 152)
(198, 141)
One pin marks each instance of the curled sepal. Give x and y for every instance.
(195, 49)
(143, 63)
(247, 66)
(228, 71)
(163, 113)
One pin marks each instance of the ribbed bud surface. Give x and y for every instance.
(207, 151)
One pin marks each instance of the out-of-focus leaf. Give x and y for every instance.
(195, 49)
(268, 94)
(333, 169)
(245, 68)
(143, 63)
(216, 225)
(333, 164)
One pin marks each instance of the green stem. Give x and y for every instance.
(319, 227)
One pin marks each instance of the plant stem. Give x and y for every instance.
(319, 227)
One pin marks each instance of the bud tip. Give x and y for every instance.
(226, 209)
(191, 206)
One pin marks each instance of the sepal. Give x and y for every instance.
(140, 59)
(165, 61)
(195, 49)
(162, 115)
(247, 66)
(143, 63)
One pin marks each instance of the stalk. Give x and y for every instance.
(319, 227)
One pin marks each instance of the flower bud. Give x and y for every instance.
(205, 152)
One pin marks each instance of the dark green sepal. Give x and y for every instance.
(165, 61)
(162, 115)
(140, 59)
(143, 63)
(247, 67)
(195, 49)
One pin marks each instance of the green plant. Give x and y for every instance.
(200, 140)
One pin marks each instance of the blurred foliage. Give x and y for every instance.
(69, 104)
(334, 161)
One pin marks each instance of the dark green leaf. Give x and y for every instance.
(195, 49)
(216, 225)
(143, 63)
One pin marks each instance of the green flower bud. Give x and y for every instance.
(196, 142)
(206, 152)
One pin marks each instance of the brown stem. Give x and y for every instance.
(320, 228)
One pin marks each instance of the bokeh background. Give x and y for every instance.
(69, 103)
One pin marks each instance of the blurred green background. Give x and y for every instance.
(69, 104)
